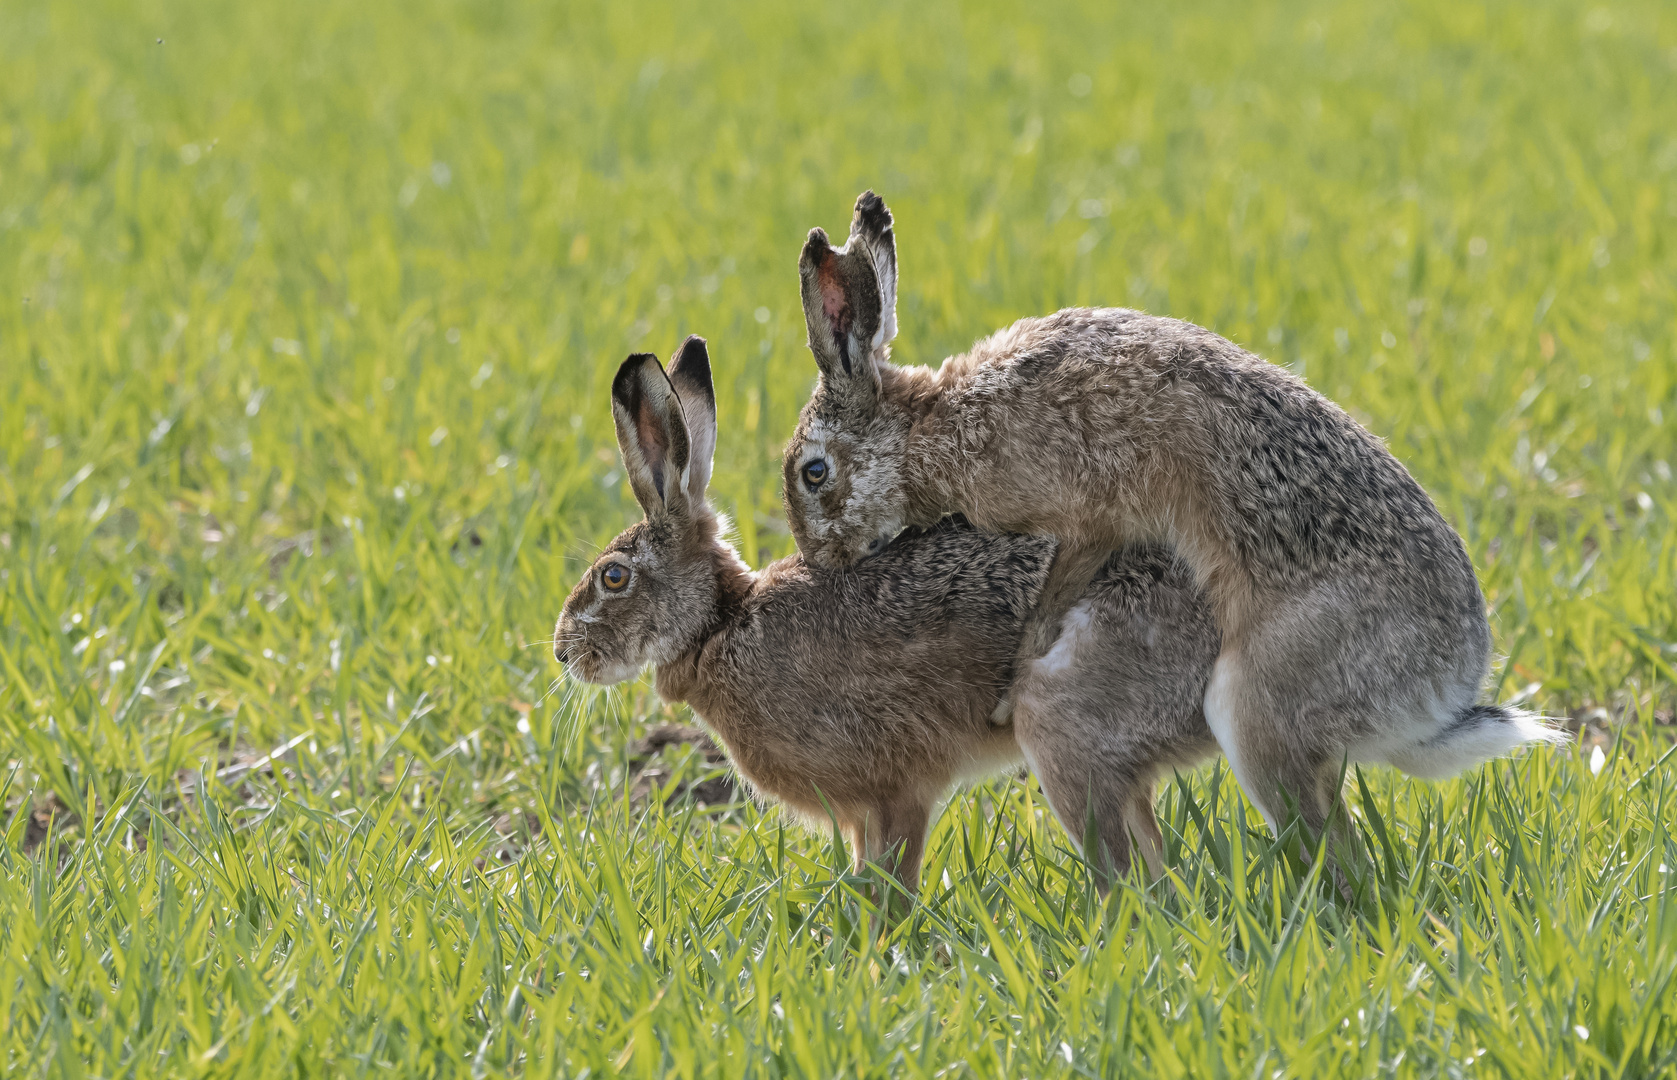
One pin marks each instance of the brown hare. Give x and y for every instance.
(1352, 625)
(867, 693)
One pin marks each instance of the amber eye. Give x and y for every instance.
(815, 472)
(614, 577)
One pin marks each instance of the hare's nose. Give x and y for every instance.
(560, 652)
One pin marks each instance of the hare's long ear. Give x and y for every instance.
(871, 230)
(651, 435)
(690, 375)
(850, 298)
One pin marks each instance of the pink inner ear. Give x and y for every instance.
(832, 298)
(652, 444)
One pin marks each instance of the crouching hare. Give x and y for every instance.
(869, 691)
(1352, 625)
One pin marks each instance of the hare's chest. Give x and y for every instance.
(767, 754)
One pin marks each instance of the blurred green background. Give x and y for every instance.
(308, 313)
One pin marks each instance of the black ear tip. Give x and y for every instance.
(815, 250)
(691, 361)
(635, 363)
(690, 376)
(626, 385)
(872, 213)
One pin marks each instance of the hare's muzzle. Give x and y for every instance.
(564, 637)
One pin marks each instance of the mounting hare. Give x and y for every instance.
(1352, 625)
(868, 692)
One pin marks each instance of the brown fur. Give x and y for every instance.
(867, 692)
(1352, 625)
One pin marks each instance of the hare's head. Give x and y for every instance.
(652, 594)
(843, 469)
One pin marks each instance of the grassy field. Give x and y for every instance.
(308, 313)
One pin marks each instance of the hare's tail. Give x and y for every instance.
(1477, 734)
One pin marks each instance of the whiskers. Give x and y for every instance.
(565, 681)
(578, 701)
(552, 642)
(569, 690)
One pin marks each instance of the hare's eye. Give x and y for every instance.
(614, 577)
(815, 472)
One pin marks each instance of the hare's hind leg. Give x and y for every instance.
(1283, 774)
(1117, 698)
(1102, 796)
(1108, 817)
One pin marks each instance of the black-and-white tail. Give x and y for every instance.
(1478, 734)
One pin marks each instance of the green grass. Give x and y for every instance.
(307, 317)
